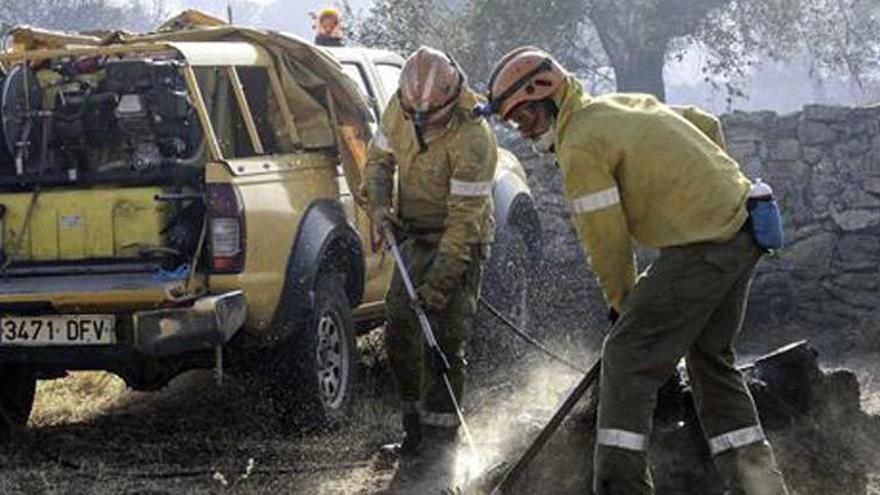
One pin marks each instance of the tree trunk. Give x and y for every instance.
(642, 72)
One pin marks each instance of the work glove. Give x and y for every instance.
(433, 299)
(445, 272)
(613, 315)
(380, 215)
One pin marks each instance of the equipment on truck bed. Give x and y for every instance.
(20, 102)
(97, 114)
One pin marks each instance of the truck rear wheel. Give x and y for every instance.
(17, 387)
(317, 364)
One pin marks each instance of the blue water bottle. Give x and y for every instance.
(765, 217)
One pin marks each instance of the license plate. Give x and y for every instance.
(58, 330)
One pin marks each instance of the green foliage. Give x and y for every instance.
(840, 36)
(636, 37)
(404, 25)
(479, 32)
(558, 26)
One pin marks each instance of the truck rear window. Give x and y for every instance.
(229, 109)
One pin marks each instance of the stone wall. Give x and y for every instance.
(824, 165)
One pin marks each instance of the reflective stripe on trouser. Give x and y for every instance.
(404, 341)
(690, 303)
(622, 439)
(445, 420)
(736, 439)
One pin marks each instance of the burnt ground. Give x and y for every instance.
(89, 434)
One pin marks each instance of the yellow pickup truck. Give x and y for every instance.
(183, 199)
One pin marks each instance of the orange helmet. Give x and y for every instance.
(525, 74)
(329, 13)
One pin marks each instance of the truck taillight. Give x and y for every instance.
(2, 230)
(226, 229)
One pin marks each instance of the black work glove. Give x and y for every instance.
(384, 215)
(613, 315)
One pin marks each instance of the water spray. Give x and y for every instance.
(528, 338)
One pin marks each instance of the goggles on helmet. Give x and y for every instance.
(495, 102)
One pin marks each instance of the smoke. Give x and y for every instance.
(281, 15)
(511, 413)
(781, 86)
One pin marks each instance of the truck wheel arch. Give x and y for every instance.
(323, 236)
(515, 208)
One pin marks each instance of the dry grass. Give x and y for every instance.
(77, 398)
(89, 434)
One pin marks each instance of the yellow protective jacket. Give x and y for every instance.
(444, 192)
(638, 170)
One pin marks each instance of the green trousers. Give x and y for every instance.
(421, 388)
(690, 303)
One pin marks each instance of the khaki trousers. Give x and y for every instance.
(690, 303)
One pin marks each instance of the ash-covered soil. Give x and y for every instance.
(88, 434)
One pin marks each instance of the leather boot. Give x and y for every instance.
(751, 470)
(412, 440)
(432, 470)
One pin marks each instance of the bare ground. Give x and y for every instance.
(190, 438)
(89, 434)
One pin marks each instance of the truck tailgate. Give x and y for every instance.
(103, 292)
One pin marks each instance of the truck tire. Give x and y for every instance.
(506, 286)
(17, 387)
(315, 370)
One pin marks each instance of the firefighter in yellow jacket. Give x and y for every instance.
(638, 171)
(445, 160)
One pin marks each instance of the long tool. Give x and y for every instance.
(515, 472)
(436, 357)
(528, 338)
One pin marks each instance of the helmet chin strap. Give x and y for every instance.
(420, 122)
